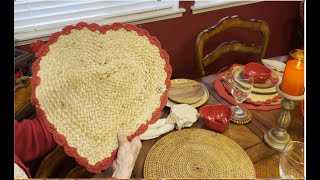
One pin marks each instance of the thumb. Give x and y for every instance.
(122, 139)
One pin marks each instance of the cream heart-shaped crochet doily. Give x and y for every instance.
(91, 81)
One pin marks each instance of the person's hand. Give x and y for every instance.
(126, 157)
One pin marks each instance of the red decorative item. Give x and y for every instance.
(60, 138)
(260, 72)
(216, 117)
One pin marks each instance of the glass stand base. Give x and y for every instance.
(237, 112)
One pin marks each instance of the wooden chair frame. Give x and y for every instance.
(53, 160)
(234, 46)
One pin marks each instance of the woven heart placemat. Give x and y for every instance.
(91, 81)
(197, 154)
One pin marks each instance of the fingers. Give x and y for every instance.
(136, 146)
(137, 142)
(122, 139)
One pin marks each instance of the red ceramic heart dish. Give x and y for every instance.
(216, 117)
(260, 72)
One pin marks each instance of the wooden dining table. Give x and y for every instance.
(248, 136)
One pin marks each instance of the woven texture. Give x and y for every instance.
(270, 88)
(90, 82)
(258, 99)
(197, 153)
(269, 104)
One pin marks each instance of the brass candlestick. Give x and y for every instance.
(277, 138)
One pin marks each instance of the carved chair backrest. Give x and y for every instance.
(233, 46)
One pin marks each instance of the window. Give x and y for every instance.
(38, 19)
(210, 5)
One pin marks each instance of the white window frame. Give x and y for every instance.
(28, 35)
(201, 6)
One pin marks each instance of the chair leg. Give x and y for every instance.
(105, 174)
(25, 111)
(51, 162)
(79, 172)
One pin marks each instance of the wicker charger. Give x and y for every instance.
(92, 81)
(197, 153)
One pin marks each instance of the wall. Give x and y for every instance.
(178, 36)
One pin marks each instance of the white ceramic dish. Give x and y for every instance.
(273, 64)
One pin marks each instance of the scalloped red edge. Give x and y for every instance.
(61, 139)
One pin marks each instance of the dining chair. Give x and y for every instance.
(22, 86)
(53, 161)
(225, 24)
(22, 96)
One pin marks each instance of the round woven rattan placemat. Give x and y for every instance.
(197, 153)
(91, 81)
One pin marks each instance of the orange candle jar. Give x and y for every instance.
(293, 77)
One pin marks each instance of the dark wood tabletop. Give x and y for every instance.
(249, 136)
